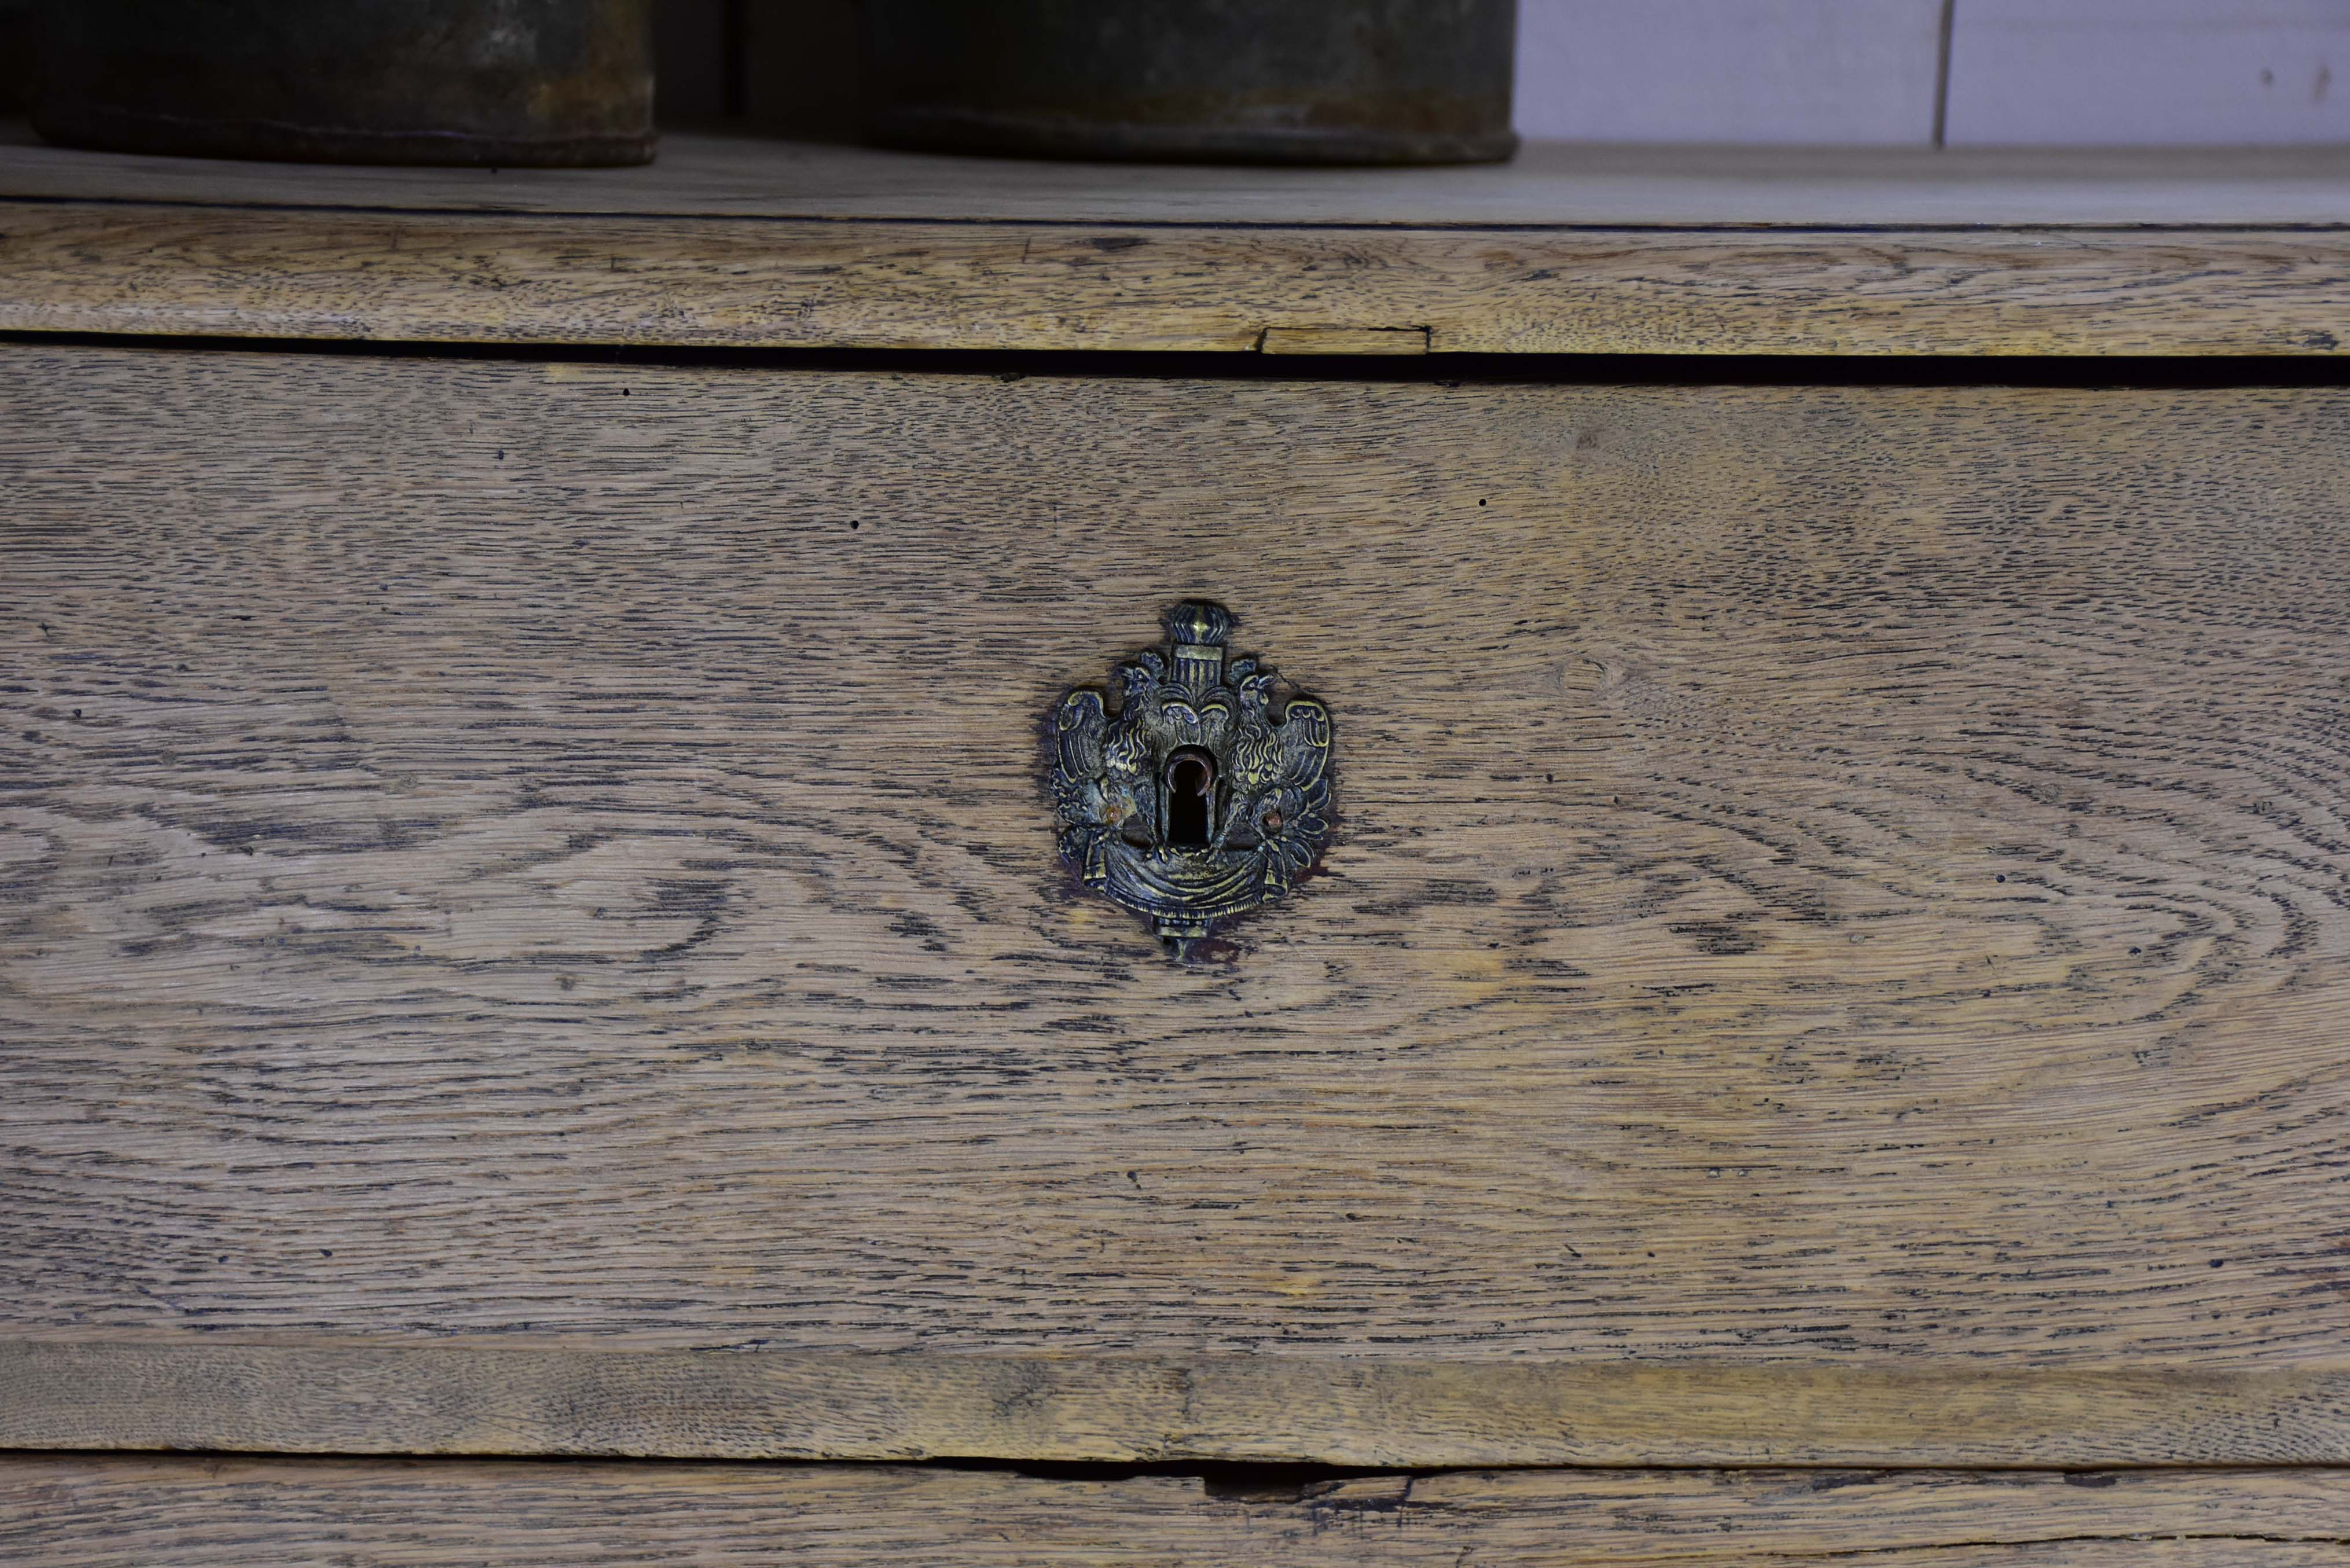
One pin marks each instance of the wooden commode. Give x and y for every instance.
(560, 905)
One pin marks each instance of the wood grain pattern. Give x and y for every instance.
(76, 1512)
(1852, 875)
(1386, 340)
(1543, 186)
(480, 1398)
(114, 268)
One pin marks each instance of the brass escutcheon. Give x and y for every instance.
(1193, 801)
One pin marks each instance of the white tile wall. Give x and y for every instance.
(1728, 70)
(2131, 72)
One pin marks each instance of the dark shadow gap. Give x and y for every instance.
(2132, 372)
(1251, 1479)
(1243, 1481)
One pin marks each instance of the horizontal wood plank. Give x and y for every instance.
(486, 1399)
(750, 243)
(1841, 876)
(1543, 186)
(108, 268)
(124, 1512)
(1344, 341)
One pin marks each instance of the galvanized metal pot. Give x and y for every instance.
(1282, 81)
(516, 82)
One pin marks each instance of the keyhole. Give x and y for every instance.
(1191, 787)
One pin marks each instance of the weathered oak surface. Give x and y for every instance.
(472, 1398)
(745, 243)
(115, 267)
(1545, 185)
(97, 1512)
(1849, 876)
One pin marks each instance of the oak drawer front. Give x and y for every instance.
(104, 1511)
(554, 856)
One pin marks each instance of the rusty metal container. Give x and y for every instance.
(555, 83)
(1305, 82)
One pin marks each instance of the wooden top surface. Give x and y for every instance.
(741, 243)
(1547, 185)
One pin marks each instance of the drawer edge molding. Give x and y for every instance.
(82, 1511)
(779, 1405)
(333, 275)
